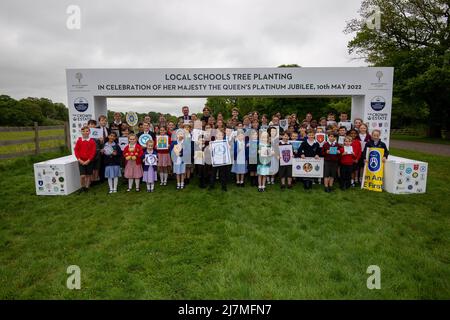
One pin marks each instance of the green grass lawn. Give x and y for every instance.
(30, 146)
(242, 244)
(420, 139)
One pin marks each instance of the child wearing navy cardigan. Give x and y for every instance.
(309, 149)
(112, 158)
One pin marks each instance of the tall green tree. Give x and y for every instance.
(414, 38)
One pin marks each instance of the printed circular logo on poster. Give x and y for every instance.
(374, 161)
(151, 160)
(378, 103)
(108, 150)
(131, 118)
(81, 104)
(144, 138)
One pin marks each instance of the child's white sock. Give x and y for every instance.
(115, 183)
(148, 186)
(110, 183)
(166, 175)
(161, 176)
(130, 183)
(138, 182)
(353, 181)
(152, 186)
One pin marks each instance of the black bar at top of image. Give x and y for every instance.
(223, 309)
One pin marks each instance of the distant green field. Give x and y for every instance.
(197, 244)
(30, 146)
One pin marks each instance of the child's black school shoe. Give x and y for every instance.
(224, 189)
(289, 186)
(283, 187)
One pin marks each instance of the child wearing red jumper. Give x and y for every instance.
(356, 144)
(133, 166)
(85, 151)
(347, 161)
(164, 162)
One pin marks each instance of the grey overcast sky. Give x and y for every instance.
(36, 46)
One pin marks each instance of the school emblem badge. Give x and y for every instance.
(286, 155)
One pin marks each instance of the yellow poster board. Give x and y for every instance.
(373, 170)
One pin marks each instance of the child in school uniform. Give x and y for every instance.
(188, 152)
(311, 149)
(356, 144)
(164, 162)
(330, 152)
(342, 134)
(265, 154)
(85, 151)
(98, 159)
(285, 172)
(363, 137)
(347, 161)
(150, 161)
(240, 156)
(133, 162)
(376, 142)
(221, 171)
(252, 145)
(199, 161)
(274, 163)
(176, 153)
(112, 157)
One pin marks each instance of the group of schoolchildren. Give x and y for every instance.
(253, 143)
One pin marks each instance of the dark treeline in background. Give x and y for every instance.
(25, 112)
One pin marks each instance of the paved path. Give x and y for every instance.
(437, 149)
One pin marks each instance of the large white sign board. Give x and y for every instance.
(370, 88)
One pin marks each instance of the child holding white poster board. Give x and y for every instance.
(356, 146)
(220, 159)
(311, 149)
(346, 162)
(286, 155)
(253, 155)
(363, 137)
(240, 154)
(176, 153)
(163, 141)
(265, 154)
(133, 166)
(331, 154)
(112, 156)
(96, 134)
